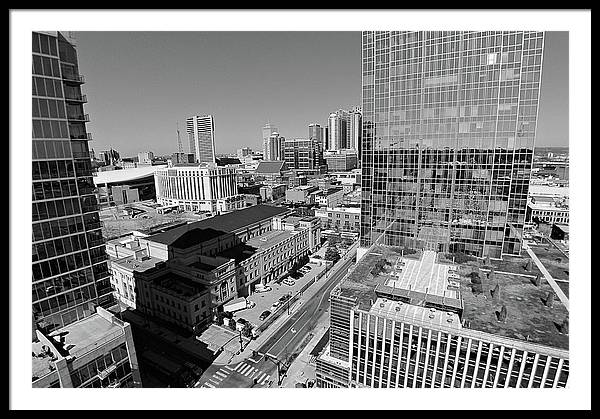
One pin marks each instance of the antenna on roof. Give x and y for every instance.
(179, 140)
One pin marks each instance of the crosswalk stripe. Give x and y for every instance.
(261, 376)
(214, 380)
(255, 372)
(209, 385)
(248, 372)
(239, 366)
(264, 380)
(244, 369)
(220, 373)
(229, 368)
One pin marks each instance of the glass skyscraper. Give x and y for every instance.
(70, 272)
(448, 130)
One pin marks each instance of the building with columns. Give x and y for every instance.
(205, 187)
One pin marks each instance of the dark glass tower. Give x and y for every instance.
(449, 121)
(70, 272)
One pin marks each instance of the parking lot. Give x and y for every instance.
(264, 300)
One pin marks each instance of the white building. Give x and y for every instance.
(145, 157)
(201, 135)
(198, 188)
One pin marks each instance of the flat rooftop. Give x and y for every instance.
(228, 223)
(269, 239)
(85, 334)
(425, 282)
(179, 285)
(139, 265)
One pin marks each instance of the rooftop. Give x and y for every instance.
(425, 282)
(179, 285)
(75, 339)
(269, 239)
(195, 236)
(208, 263)
(139, 265)
(270, 167)
(125, 175)
(228, 223)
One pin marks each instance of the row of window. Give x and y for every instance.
(60, 265)
(63, 301)
(50, 128)
(54, 189)
(45, 66)
(56, 228)
(92, 369)
(52, 169)
(57, 247)
(44, 86)
(43, 44)
(49, 287)
(52, 209)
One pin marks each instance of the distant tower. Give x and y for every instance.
(180, 146)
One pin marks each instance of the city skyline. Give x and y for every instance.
(435, 253)
(245, 87)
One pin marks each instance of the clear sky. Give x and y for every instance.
(141, 84)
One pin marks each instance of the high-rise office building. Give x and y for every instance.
(201, 135)
(449, 122)
(344, 128)
(355, 129)
(417, 320)
(315, 131)
(338, 124)
(270, 145)
(70, 272)
(274, 148)
(304, 154)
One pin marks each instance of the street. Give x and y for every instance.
(281, 345)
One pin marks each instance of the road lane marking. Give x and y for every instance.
(245, 368)
(277, 341)
(260, 377)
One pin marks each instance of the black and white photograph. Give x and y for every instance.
(308, 209)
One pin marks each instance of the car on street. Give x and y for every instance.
(262, 288)
(289, 282)
(264, 315)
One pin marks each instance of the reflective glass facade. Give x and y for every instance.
(70, 274)
(448, 130)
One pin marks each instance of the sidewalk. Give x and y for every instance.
(300, 370)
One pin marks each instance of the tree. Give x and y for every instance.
(232, 324)
(247, 330)
(332, 254)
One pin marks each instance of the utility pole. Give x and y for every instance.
(278, 363)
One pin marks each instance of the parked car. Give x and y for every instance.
(284, 298)
(289, 282)
(308, 268)
(264, 315)
(275, 305)
(262, 288)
